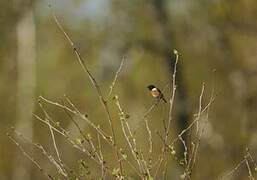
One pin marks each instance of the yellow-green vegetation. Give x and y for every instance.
(74, 102)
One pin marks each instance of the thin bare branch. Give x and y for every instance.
(47, 118)
(93, 81)
(198, 135)
(171, 101)
(185, 149)
(249, 169)
(150, 140)
(245, 161)
(238, 165)
(251, 158)
(130, 138)
(82, 116)
(116, 77)
(191, 125)
(57, 104)
(29, 157)
(77, 146)
(86, 70)
(85, 138)
(174, 87)
(101, 156)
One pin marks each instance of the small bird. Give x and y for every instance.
(156, 93)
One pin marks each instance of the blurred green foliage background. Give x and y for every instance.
(35, 59)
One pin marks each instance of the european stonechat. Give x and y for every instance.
(155, 92)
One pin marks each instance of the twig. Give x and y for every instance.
(192, 159)
(44, 152)
(200, 107)
(190, 125)
(174, 86)
(67, 137)
(249, 169)
(149, 110)
(82, 116)
(43, 121)
(116, 77)
(251, 158)
(165, 170)
(87, 139)
(101, 155)
(171, 101)
(185, 148)
(75, 145)
(238, 165)
(30, 158)
(150, 140)
(94, 83)
(47, 118)
(86, 70)
(57, 104)
(130, 138)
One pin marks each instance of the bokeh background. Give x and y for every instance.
(35, 59)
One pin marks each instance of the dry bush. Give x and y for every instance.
(129, 162)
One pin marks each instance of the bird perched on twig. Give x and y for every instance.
(155, 92)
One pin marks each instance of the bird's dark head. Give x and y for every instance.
(150, 87)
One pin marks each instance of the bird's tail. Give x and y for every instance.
(164, 100)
